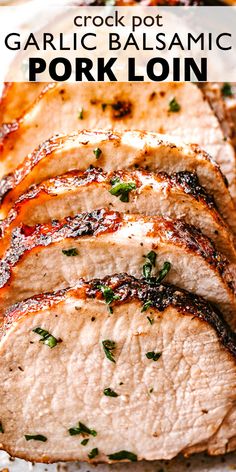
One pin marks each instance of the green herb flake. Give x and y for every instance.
(114, 180)
(93, 453)
(108, 347)
(151, 256)
(122, 189)
(84, 442)
(81, 114)
(153, 355)
(82, 429)
(146, 306)
(174, 106)
(122, 455)
(110, 393)
(151, 261)
(47, 338)
(97, 152)
(151, 390)
(104, 105)
(151, 320)
(70, 252)
(108, 295)
(226, 90)
(147, 270)
(163, 272)
(35, 437)
(1, 428)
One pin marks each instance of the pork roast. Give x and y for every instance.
(118, 151)
(53, 256)
(16, 98)
(154, 379)
(145, 106)
(132, 191)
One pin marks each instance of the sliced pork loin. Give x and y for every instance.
(53, 256)
(222, 98)
(115, 151)
(214, 93)
(149, 107)
(230, 101)
(76, 381)
(132, 191)
(16, 98)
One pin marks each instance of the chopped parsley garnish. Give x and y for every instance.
(1, 428)
(109, 296)
(84, 442)
(122, 189)
(122, 455)
(108, 347)
(147, 270)
(35, 437)
(146, 306)
(93, 453)
(97, 152)
(110, 393)
(114, 180)
(163, 272)
(153, 355)
(174, 106)
(82, 429)
(70, 252)
(149, 264)
(81, 114)
(226, 90)
(47, 338)
(151, 320)
(152, 257)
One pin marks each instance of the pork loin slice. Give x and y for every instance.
(176, 196)
(153, 383)
(155, 152)
(145, 106)
(222, 98)
(53, 256)
(230, 101)
(214, 95)
(16, 98)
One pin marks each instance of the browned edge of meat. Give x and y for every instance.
(98, 222)
(128, 288)
(185, 181)
(16, 98)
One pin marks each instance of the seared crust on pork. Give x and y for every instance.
(172, 196)
(118, 151)
(47, 391)
(127, 288)
(119, 106)
(16, 98)
(53, 256)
